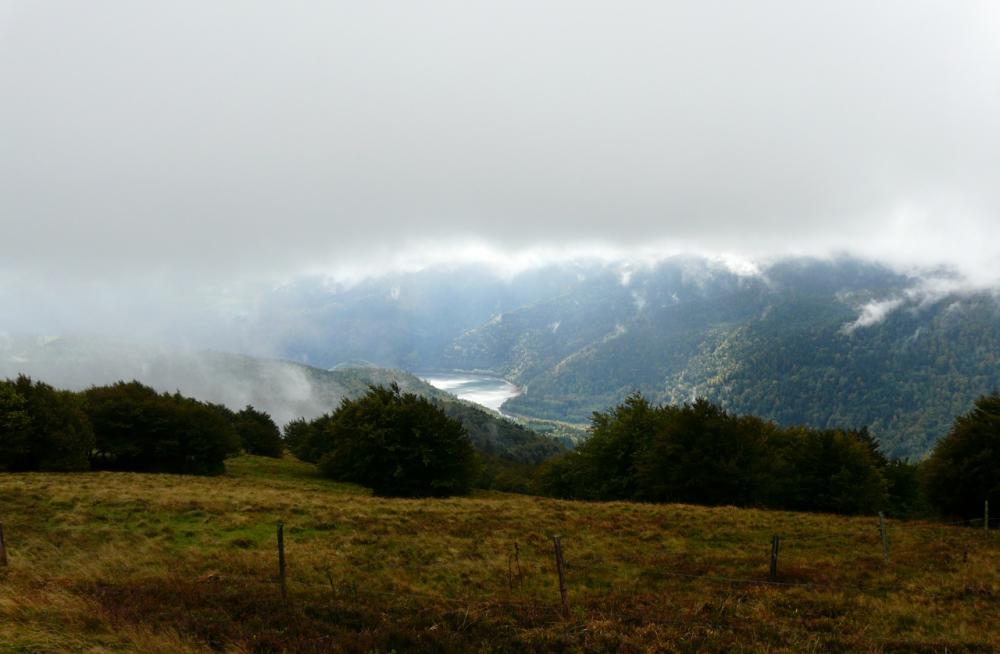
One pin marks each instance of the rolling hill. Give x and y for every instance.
(168, 564)
(285, 390)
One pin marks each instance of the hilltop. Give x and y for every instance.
(286, 390)
(108, 562)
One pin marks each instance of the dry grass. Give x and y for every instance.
(108, 562)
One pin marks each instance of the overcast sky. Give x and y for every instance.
(226, 139)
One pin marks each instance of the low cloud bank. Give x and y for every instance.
(929, 289)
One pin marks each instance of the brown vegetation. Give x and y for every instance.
(112, 562)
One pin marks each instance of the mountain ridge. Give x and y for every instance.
(821, 342)
(286, 390)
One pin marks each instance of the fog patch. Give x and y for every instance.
(873, 313)
(283, 389)
(929, 289)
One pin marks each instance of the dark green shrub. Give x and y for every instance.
(397, 444)
(42, 428)
(258, 433)
(701, 454)
(964, 468)
(140, 430)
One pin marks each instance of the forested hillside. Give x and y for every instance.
(283, 389)
(825, 343)
(822, 344)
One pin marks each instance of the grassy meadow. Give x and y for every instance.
(114, 562)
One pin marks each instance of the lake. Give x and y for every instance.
(484, 390)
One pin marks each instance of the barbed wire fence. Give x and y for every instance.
(559, 609)
(463, 612)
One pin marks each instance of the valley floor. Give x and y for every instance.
(109, 562)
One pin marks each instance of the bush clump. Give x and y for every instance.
(701, 454)
(397, 444)
(258, 433)
(42, 428)
(140, 430)
(964, 468)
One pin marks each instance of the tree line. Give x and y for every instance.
(124, 426)
(395, 443)
(701, 454)
(402, 444)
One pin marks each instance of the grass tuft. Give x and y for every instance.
(117, 562)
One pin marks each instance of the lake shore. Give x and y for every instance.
(489, 391)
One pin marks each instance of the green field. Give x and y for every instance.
(114, 562)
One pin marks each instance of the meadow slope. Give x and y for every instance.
(113, 562)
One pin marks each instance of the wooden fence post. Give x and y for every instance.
(561, 569)
(512, 574)
(775, 544)
(885, 536)
(281, 561)
(517, 562)
(3, 549)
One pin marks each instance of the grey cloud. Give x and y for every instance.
(227, 139)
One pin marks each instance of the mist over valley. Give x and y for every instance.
(445, 327)
(818, 342)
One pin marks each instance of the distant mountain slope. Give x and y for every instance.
(286, 390)
(805, 342)
(906, 377)
(821, 342)
(398, 320)
(283, 389)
